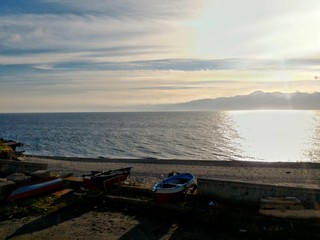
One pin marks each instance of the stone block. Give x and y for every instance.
(41, 174)
(8, 167)
(19, 178)
(6, 187)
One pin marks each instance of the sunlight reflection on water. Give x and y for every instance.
(278, 135)
(240, 135)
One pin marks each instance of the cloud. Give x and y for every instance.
(150, 34)
(106, 39)
(82, 25)
(273, 29)
(142, 9)
(147, 50)
(97, 60)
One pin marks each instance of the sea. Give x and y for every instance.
(285, 136)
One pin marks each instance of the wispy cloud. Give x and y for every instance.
(129, 52)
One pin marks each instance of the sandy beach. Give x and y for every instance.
(150, 171)
(101, 220)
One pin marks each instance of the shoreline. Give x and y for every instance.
(230, 163)
(149, 171)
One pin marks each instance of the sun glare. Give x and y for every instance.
(274, 135)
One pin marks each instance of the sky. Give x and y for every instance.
(104, 55)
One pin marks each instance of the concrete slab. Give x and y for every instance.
(19, 178)
(8, 167)
(41, 174)
(6, 187)
(251, 193)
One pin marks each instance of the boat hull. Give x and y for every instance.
(173, 188)
(106, 180)
(36, 189)
(169, 197)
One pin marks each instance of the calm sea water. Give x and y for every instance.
(240, 135)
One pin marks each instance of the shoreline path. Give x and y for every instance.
(149, 171)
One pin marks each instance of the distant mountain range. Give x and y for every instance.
(255, 101)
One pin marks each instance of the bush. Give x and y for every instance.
(6, 152)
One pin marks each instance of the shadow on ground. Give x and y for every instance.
(156, 222)
(73, 210)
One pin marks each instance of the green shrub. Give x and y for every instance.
(6, 152)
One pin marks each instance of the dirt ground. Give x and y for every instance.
(99, 225)
(100, 219)
(103, 219)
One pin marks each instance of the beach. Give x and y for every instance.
(150, 171)
(109, 220)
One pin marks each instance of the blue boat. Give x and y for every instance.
(36, 189)
(173, 187)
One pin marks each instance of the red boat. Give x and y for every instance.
(106, 179)
(36, 189)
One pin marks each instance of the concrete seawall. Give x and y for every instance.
(8, 167)
(251, 193)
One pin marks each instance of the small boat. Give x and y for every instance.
(288, 207)
(106, 179)
(173, 187)
(36, 189)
